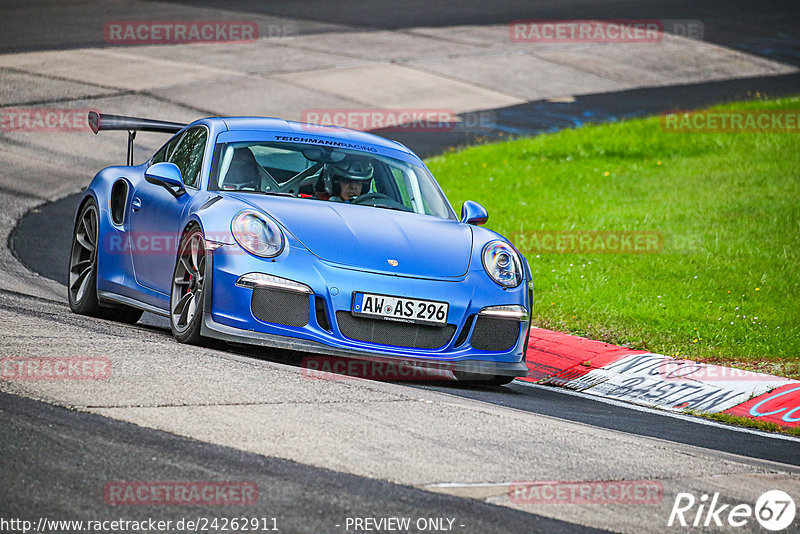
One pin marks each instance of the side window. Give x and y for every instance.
(188, 155)
(163, 154)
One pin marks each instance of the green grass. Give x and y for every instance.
(749, 423)
(723, 289)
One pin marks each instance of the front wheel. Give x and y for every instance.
(188, 284)
(483, 380)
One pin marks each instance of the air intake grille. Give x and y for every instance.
(497, 335)
(288, 308)
(394, 333)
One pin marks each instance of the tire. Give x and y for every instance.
(483, 380)
(499, 380)
(186, 293)
(82, 275)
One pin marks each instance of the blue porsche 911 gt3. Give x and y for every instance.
(311, 238)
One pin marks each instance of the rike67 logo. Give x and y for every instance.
(774, 510)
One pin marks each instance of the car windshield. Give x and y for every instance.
(332, 175)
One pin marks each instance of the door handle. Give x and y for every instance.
(136, 204)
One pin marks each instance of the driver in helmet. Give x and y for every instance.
(349, 178)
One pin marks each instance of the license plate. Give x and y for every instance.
(401, 309)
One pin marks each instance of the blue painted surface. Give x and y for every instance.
(336, 249)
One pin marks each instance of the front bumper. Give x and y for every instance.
(212, 329)
(228, 314)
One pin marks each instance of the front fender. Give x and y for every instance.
(214, 216)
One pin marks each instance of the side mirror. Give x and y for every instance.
(474, 213)
(167, 175)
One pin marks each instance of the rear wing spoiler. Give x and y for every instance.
(100, 122)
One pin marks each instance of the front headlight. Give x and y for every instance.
(502, 263)
(257, 234)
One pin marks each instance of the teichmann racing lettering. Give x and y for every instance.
(328, 142)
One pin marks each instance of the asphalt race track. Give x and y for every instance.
(78, 453)
(38, 255)
(323, 451)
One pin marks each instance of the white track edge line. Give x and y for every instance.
(656, 411)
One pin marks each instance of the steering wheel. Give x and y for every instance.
(371, 196)
(388, 202)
